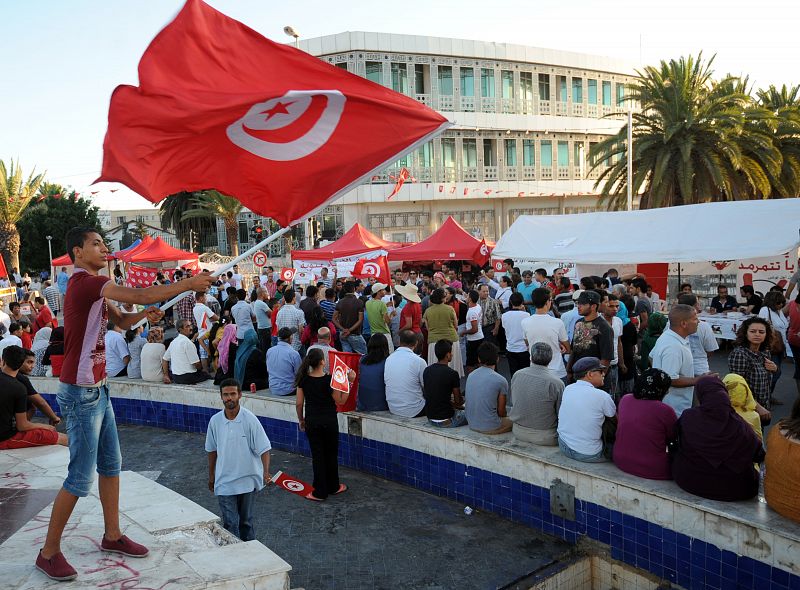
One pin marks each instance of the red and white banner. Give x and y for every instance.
(339, 380)
(218, 105)
(141, 276)
(287, 274)
(292, 484)
(377, 268)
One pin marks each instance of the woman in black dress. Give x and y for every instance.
(316, 414)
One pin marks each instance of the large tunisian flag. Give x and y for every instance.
(219, 106)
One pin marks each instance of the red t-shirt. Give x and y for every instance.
(43, 319)
(85, 318)
(414, 311)
(643, 429)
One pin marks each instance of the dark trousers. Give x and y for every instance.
(264, 338)
(517, 361)
(190, 378)
(237, 515)
(323, 438)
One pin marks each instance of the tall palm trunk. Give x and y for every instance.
(9, 244)
(232, 235)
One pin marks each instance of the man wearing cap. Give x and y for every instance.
(592, 336)
(525, 288)
(584, 408)
(378, 315)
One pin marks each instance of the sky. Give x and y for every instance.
(62, 59)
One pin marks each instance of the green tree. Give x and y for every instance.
(140, 229)
(694, 140)
(212, 204)
(201, 230)
(16, 194)
(784, 103)
(52, 216)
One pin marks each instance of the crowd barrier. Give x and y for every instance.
(652, 525)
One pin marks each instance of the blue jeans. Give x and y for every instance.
(237, 515)
(354, 343)
(458, 419)
(92, 432)
(598, 458)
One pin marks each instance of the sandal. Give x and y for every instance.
(313, 498)
(342, 489)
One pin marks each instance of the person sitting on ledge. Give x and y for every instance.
(645, 426)
(371, 388)
(117, 354)
(323, 342)
(180, 363)
(251, 364)
(283, 361)
(151, 355)
(743, 402)
(225, 351)
(16, 431)
(486, 393)
(716, 447)
(35, 400)
(403, 377)
(537, 392)
(442, 389)
(584, 408)
(782, 481)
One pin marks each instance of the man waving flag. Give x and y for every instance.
(218, 106)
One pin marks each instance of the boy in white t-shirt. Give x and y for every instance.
(473, 330)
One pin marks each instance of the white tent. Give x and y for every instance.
(711, 231)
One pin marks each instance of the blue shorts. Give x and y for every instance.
(92, 431)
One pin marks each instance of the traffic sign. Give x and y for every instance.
(260, 259)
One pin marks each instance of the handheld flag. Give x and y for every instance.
(377, 268)
(339, 380)
(481, 256)
(291, 484)
(287, 274)
(400, 180)
(204, 321)
(219, 106)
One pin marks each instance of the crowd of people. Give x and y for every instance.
(597, 368)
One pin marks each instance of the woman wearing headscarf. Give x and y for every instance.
(656, 324)
(226, 354)
(251, 363)
(54, 354)
(716, 447)
(743, 402)
(40, 343)
(645, 425)
(782, 480)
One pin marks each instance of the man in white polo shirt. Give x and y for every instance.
(402, 376)
(180, 362)
(542, 327)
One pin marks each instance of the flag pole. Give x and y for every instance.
(225, 268)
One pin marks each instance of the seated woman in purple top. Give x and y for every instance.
(644, 427)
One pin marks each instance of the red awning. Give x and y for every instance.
(61, 261)
(160, 251)
(125, 255)
(449, 242)
(357, 240)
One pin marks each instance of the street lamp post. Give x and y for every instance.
(50, 251)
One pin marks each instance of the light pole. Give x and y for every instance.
(630, 159)
(308, 244)
(289, 30)
(50, 251)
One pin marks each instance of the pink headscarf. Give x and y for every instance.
(228, 338)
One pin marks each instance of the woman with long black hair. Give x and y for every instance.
(316, 414)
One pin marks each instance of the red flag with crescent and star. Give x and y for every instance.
(339, 380)
(400, 180)
(218, 106)
(375, 268)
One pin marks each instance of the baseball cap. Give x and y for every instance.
(589, 297)
(586, 364)
(576, 294)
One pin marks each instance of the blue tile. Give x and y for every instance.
(780, 577)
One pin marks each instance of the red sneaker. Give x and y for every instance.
(125, 546)
(56, 568)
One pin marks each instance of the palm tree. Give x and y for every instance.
(16, 194)
(201, 228)
(695, 140)
(784, 103)
(213, 204)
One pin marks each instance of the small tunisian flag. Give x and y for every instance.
(219, 106)
(292, 484)
(400, 180)
(339, 380)
(377, 268)
(481, 255)
(287, 274)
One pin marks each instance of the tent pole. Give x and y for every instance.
(226, 267)
(679, 278)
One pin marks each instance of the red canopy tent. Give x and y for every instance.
(125, 255)
(356, 240)
(449, 242)
(160, 251)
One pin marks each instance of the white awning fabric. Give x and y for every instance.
(690, 233)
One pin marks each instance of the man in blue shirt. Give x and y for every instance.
(61, 280)
(282, 364)
(238, 460)
(525, 288)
